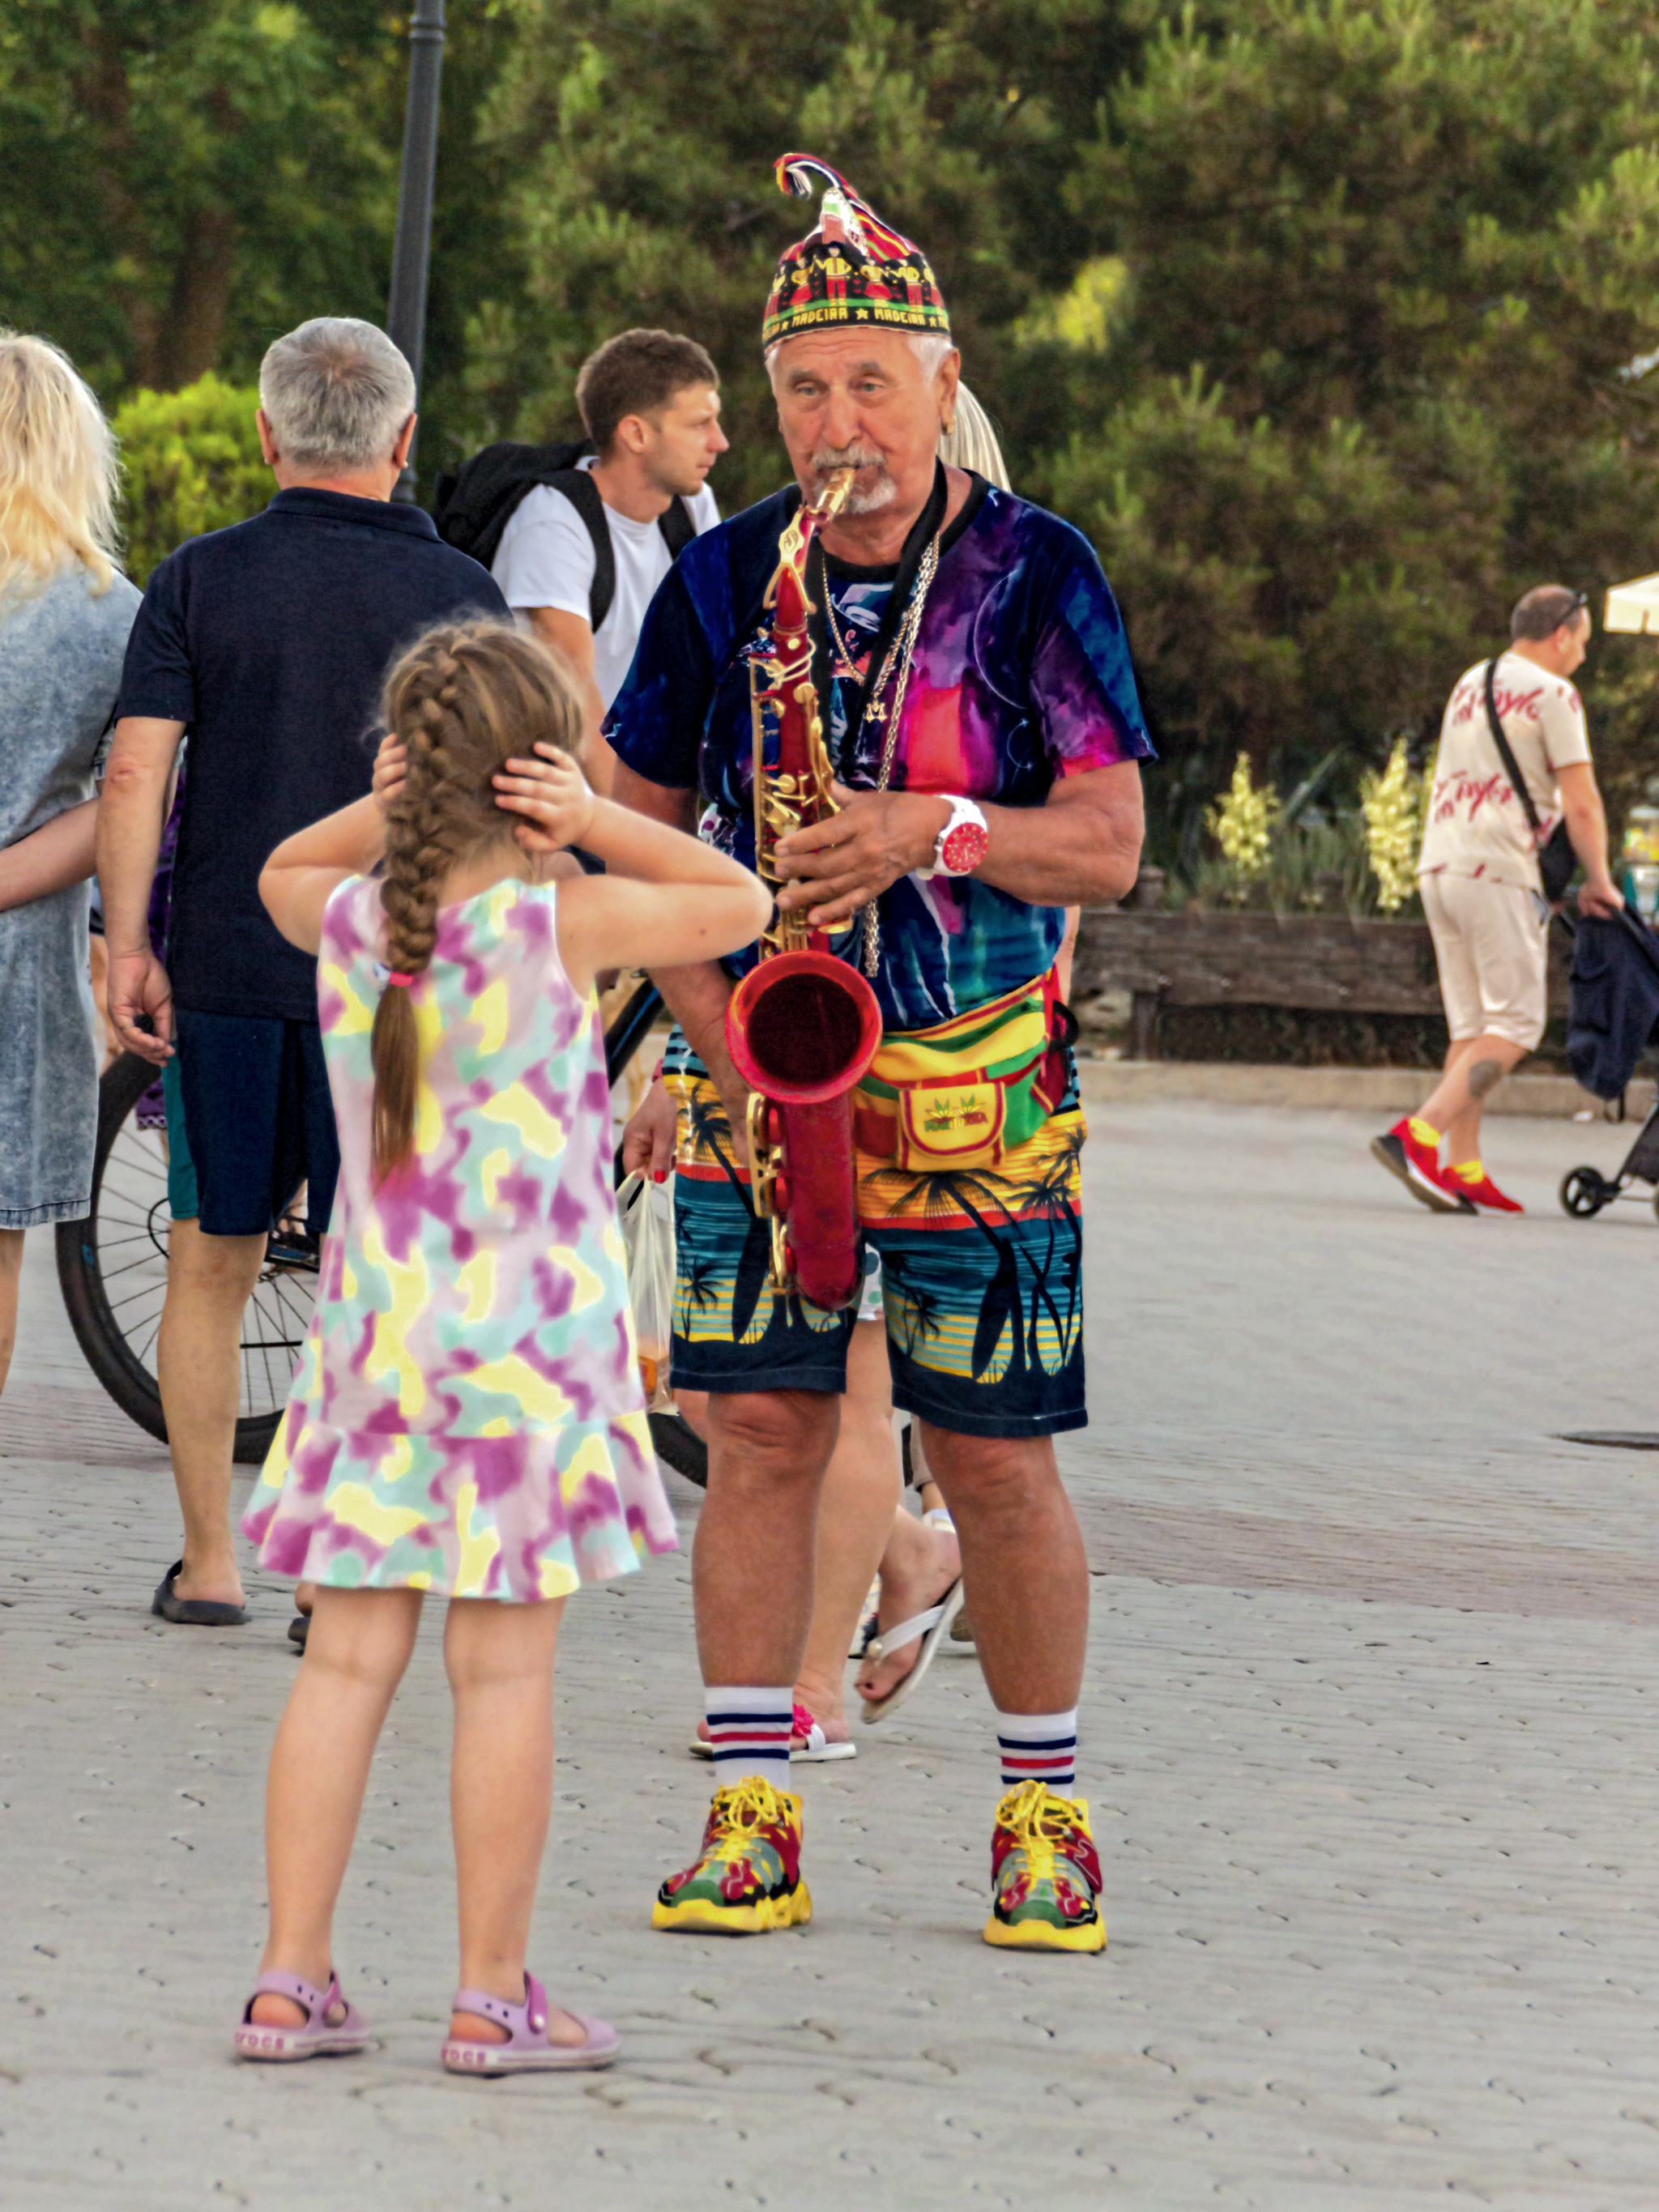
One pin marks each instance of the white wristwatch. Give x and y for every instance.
(962, 844)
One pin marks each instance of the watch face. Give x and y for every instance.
(964, 848)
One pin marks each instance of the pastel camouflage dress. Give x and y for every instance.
(466, 1417)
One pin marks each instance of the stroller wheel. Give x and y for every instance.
(1585, 1191)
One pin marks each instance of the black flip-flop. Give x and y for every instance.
(298, 1629)
(193, 1612)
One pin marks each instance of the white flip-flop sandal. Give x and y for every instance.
(933, 1627)
(869, 1621)
(814, 1749)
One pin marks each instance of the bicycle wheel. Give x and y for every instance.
(679, 1446)
(112, 1270)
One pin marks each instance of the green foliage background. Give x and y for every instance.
(1330, 324)
(191, 462)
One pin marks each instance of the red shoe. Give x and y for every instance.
(1420, 1170)
(1483, 1193)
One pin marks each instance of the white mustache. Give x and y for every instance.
(875, 496)
(828, 458)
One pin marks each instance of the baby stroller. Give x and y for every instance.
(1611, 1017)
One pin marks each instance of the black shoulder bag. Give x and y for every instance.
(1555, 859)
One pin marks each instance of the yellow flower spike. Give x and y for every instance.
(1392, 803)
(1242, 820)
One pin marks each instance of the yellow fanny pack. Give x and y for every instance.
(964, 1094)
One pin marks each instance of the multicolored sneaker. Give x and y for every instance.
(1045, 1874)
(1418, 1166)
(1481, 1191)
(747, 1876)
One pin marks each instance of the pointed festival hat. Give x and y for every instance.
(853, 269)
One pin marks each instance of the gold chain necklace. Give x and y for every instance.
(850, 665)
(903, 650)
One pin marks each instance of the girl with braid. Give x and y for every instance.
(466, 1417)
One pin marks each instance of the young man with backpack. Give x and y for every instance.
(580, 536)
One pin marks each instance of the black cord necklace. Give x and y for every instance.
(922, 532)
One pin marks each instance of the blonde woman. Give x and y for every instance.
(64, 614)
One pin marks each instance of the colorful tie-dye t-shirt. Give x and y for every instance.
(466, 1417)
(1021, 675)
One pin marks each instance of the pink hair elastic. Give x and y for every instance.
(391, 978)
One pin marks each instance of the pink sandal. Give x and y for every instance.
(807, 1740)
(527, 2050)
(317, 2039)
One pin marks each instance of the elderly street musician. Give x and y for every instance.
(906, 699)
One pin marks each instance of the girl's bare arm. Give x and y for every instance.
(302, 874)
(667, 898)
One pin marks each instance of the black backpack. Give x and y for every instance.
(474, 507)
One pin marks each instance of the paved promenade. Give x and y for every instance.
(1370, 1734)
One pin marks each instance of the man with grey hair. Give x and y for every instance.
(973, 684)
(266, 644)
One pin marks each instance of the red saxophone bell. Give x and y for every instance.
(802, 1029)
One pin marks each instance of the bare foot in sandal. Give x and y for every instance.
(315, 2022)
(920, 1564)
(562, 2028)
(270, 2011)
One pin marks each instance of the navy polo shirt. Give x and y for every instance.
(271, 642)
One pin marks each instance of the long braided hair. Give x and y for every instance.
(465, 697)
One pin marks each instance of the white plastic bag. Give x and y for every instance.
(646, 1211)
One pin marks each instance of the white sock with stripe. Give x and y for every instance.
(750, 1731)
(1038, 1747)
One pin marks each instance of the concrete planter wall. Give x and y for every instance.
(1315, 964)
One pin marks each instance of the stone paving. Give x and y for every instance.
(1368, 1735)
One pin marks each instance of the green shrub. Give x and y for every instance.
(192, 463)
(1319, 865)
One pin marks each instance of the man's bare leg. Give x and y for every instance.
(751, 1574)
(862, 1489)
(1475, 1068)
(1024, 1567)
(209, 1282)
(11, 1266)
(751, 1569)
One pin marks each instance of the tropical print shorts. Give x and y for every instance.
(981, 1279)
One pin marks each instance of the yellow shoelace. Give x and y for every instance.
(1041, 1821)
(746, 1806)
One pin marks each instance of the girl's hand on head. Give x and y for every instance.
(391, 768)
(551, 792)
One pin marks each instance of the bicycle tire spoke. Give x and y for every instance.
(109, 1274)
(301, 1316)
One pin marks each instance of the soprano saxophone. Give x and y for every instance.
(803, 1026)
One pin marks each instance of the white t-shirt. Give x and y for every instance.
(545, 559)
(1477, 825)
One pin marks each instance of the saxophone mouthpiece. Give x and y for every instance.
(837, 491)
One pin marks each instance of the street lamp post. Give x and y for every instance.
(411, 251)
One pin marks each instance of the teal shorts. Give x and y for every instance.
(184, 1201)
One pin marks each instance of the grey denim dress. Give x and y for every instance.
(61, 651)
